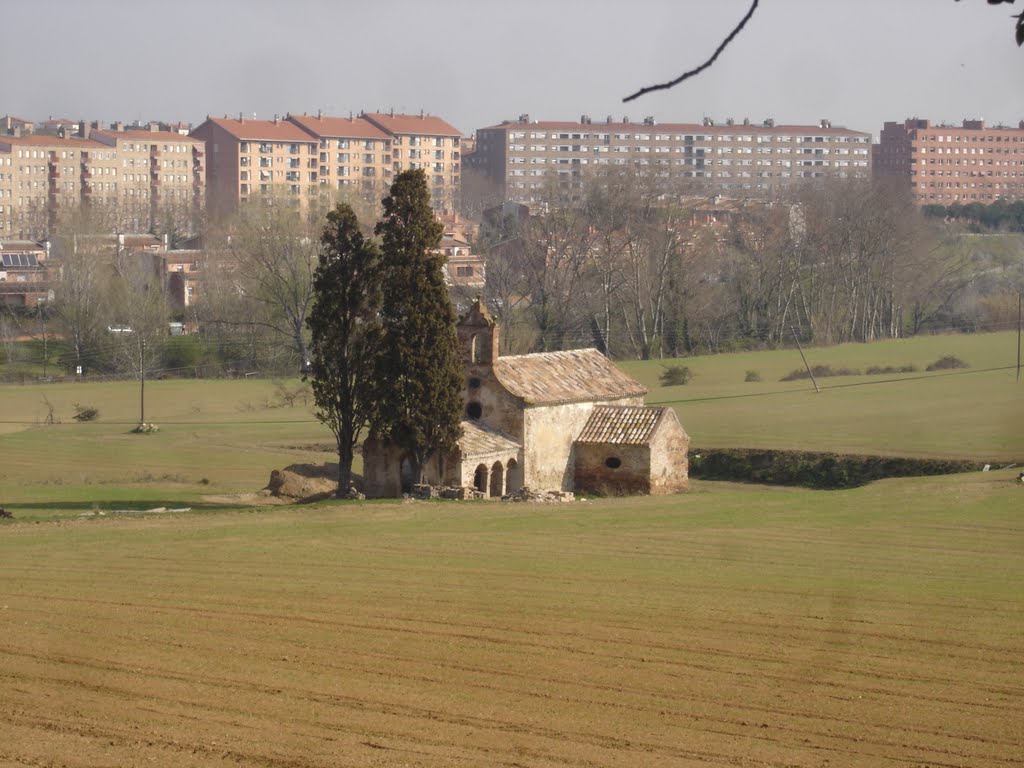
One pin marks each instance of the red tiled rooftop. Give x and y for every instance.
(339, 127)
(261, 130)
(419, 125)
(51, 141)
(141, 134)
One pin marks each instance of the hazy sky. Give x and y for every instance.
(477, 62)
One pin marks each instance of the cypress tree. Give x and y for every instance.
(345, 333)
(419, 372)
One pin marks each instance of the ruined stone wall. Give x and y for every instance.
(613, 470)
(548, 436)
(382, 470)
(669, 463)
(498, 409)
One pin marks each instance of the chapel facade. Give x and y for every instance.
(569, 421)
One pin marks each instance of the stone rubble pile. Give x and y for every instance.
(545, 497)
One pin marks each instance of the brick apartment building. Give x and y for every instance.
(304, 156)
(946, 164)
(139, 177)
(252, 157)
(525, 157)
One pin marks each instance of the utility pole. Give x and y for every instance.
(142, 381)
(1018, 336)
(809, 371)
(41, 307)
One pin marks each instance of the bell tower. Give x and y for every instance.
(478, 336)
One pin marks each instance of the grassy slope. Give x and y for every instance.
(978, 413)
(230, 434)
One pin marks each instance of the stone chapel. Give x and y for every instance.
(569, 421)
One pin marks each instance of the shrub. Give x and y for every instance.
(675, 375)
(752, 376)
(947, 362)
(820, 372)
(85, 413)
(813, 470)
(875, 370)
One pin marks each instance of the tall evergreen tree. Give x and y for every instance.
(345, 333)
(419, 374)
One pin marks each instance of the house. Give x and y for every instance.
(26, 278)
(464, 271)
(569, 421)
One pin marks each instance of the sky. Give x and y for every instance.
(475, 63)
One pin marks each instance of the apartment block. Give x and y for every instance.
(525, 158)
(159, 174)
(354, 154)
(430, 143)
(39, 175)
(137, 178)
(304, 156)
(248, 158)
(945, 164)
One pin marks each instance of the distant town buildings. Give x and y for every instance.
(945, 164)
(303, 155)
(135, 179)
(524, 158)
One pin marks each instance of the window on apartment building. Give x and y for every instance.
(368, 158)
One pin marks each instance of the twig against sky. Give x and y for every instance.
(702, 67)
(1019, 36)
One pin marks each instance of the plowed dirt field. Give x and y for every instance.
(753, 629)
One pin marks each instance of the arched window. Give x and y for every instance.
(474, 410)
(474, 348)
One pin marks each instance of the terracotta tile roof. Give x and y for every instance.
(339, 127)
(141, 134)
(51, 141)
(573, 376)
(261, 130)
(480, 441)
(622, 425)
(417, 125)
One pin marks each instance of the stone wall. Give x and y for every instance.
(613, 470)
(669, 450)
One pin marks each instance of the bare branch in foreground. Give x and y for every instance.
(702, 67)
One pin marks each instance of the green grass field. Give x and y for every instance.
(224, 437)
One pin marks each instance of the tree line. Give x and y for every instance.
(642, 270)
(631, 264)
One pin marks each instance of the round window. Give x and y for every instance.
(475, 383)
(474, 410)
(613, 462)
